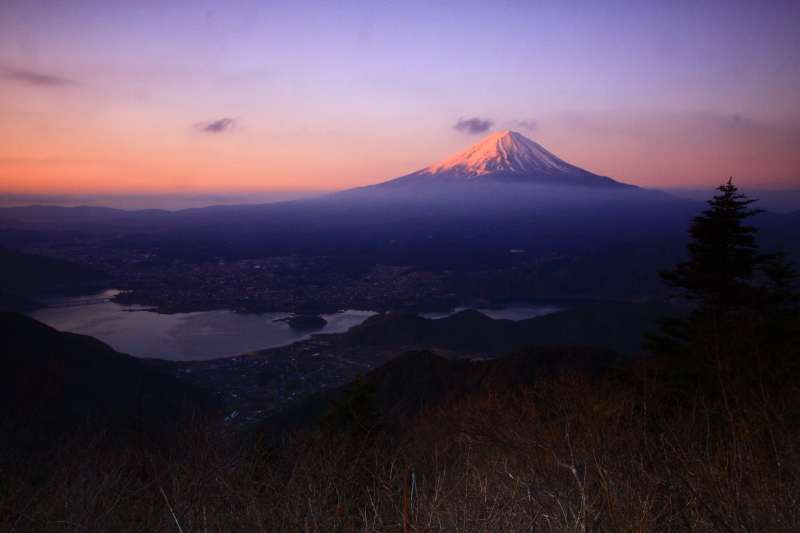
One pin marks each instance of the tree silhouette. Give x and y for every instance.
(734, 319)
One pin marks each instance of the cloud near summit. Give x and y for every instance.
(473, 126)
(529, 125)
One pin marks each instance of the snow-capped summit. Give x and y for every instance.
(506, 151)
(505, 156)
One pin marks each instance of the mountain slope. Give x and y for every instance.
(419, 379)
(21, 271)
(48, 376)
(504, 156)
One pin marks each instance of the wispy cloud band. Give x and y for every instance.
(32, 77)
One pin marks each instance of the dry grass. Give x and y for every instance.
(569, 455)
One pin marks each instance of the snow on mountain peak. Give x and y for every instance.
(506, 151)
(502, 158)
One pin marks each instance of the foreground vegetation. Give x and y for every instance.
(570, 454)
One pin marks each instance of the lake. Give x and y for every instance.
(183, 336)
(211, 334)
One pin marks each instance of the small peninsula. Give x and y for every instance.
(306, 322)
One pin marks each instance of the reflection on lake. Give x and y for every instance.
(184, 336)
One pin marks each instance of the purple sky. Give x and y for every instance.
(197, 96)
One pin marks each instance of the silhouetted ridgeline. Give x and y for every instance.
(58, 378)
(617, 326)
(420, 378)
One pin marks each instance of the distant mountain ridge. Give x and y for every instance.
(616, 326)
(24, 271)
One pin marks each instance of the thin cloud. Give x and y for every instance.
(473, 125)
(34, 78)
(216, 126)
(529, 125)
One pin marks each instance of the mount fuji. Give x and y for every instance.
(503, 157)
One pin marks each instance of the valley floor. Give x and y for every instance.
(268, 284)
(265, 382)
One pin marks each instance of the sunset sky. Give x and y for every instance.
(197, 96)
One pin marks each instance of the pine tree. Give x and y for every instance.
(723, 254)
(708, 349)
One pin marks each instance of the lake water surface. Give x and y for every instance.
(182, 336)
(211, 334)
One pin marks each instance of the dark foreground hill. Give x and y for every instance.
(617, 326)
(24, 271)
(420, 379)
(58, 379)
